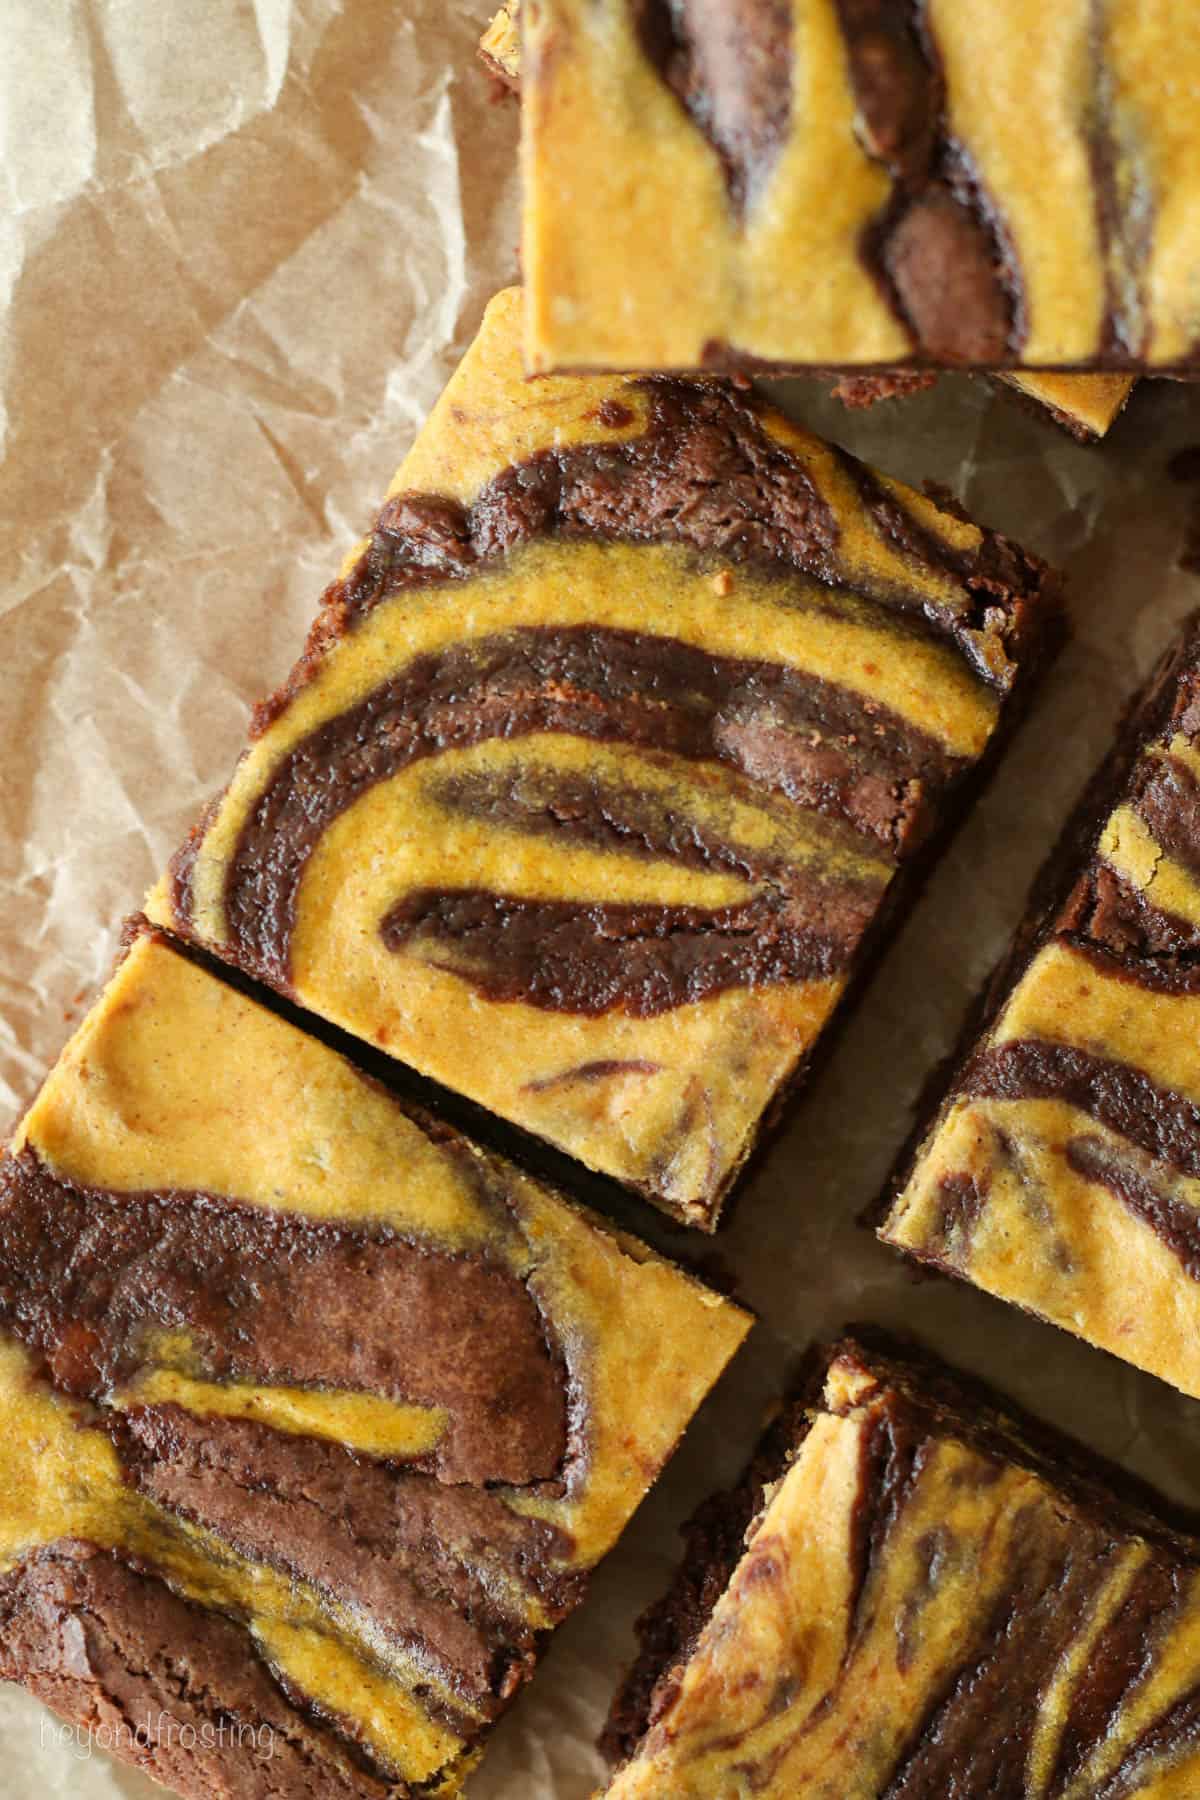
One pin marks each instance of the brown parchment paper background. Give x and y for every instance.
(242, 243)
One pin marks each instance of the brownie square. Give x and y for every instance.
(918, 1593)
(1086, 406)
(601, 770)
(860, 184)
(1060, 1168)
(314, 1417)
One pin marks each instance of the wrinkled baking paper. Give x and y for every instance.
(242, 245)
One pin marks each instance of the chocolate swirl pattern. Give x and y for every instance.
(327, 1413)
(1084, 405)
(859, 183)
(935, 1598)
(605, 755)
(1062, 1170)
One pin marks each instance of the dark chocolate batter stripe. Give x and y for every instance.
(1168, 801)
(410, 1554)
(603, 813)
(962, 1204)
(890, 1463)
(937, 250)
(642, 960)
(1163, 962)
(897, 88)
(705, 474)
(788, 732)
(1175, 1222)
(1158, 1746)
(143, 1654)
(1105, 909)
(1117, 1664)
(1126, 231)
(728, 62)
(86, 1274)
(1158, 1120)
(977, 1734)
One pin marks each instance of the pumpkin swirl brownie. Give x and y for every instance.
(594, 783)
(313, 1417)
(915, 1594)
(1060, 1170)
(1084, 405)
(861, 184)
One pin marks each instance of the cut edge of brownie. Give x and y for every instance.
(1043, 641)
(449, 1118)
(859, 392)
(718, 1533)
(1143, 717)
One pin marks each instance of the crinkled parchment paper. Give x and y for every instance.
(241, 246)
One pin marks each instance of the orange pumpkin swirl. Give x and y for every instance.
(605, 753)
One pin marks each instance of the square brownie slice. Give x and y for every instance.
(916, 1593)
(859, 184)
(1060, 1169)
(314, 1417)
(593, 787)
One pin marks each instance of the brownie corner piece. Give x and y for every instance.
(1059, 1167)
(611, 756)
(920, 1584)
(332, 1412)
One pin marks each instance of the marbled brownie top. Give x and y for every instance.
(604, 754)
(320, 1366)
(935, 1600)
(1085, 405)
(861, 183)
(1062, 1170)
